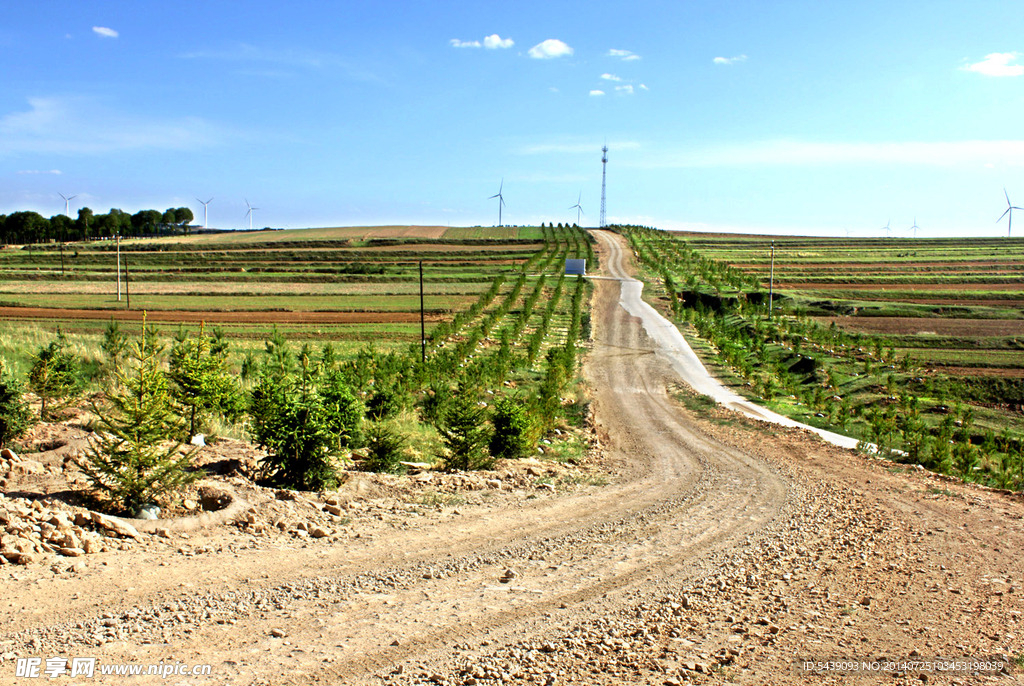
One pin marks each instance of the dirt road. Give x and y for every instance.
(721, 551)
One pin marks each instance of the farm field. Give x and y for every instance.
(303, 278)
(874, 338)
(970, 296)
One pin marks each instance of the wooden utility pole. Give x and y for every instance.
(118, 267)
(423, 326)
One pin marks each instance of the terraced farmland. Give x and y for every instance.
(318, 282)
(951, 303)
(899, 342)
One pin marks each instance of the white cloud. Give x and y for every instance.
(596, 92)
(494, 41)
(624, 90)
(970, 153)
(624, 55)
(105, 32)
(997, 64)
(456, 43)
(730, 60)
(550, 49)
(644, 87)
(610, 77)
(55, 172)
(82, 126)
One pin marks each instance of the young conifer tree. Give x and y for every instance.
(132, 460)
(55, 375)
(15, 414)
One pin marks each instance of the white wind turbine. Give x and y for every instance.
(501, 200)
(1009, 211)
(249, 213)
(915, 227)
(579, 210)
(205, 208)
(888, 231)
(67, 204)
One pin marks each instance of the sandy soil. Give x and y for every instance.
(721, 550)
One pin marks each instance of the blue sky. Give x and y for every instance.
(781, 117)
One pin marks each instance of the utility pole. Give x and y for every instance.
(423, 327)
(118, 267)
(771, 283)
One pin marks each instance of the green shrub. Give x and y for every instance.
(55, 375)
(15, 415)
(344, 410)
(203, 383)
(292, 420)
(464, 433)
(386, 401)
(385, 448)
(514, 434)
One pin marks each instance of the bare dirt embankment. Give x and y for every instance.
(720, 551)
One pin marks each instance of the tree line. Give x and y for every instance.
(31, 227)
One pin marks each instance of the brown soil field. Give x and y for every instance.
(328, 233)
(236, 288)
(981, 371)
(227, 317)
(897, 287)
(942, 327)
(419, 247)
(987, 302)
(886, 266)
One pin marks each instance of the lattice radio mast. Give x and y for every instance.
(604, 170)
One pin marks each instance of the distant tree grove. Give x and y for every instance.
(32, 227)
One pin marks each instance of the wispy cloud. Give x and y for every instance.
(105, 32)
(728, 61)
(55, 172)
(806, 153)
(83, 126)
(625, 89)
(550, 49)
(624, 55)
(597, 92)
(496, 42)
(491, 42)
(997, 64)
(295, 58)
(610, 77)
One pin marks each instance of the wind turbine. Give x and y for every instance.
(67, 213)
(915, 227)
(204, 204)
(888, 231)
(579, 210)
(67, 203)
(1009, 211)
(249, 213)
(501, 200)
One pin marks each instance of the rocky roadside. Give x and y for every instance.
(840, 575)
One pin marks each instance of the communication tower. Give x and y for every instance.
(604, 170)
